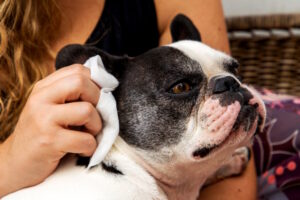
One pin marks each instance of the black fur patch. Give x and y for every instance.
(111, 169)
(143, 95)
(182, 28)
(150, 116)
(76, 53)
(231, 66)
(83, 161)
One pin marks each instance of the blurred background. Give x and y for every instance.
(260, 7)
(265, 38)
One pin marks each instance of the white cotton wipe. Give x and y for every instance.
(107, 108)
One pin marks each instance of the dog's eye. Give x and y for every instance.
(180, 88)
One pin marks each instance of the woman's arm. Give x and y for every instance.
(240, 187)
(208, 17)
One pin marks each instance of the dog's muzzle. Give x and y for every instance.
(228, 90)
(229, 108)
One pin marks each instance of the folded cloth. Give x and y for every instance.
(107, 108)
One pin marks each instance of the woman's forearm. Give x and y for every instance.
(207, 15)
(4, 179)
(240, 187)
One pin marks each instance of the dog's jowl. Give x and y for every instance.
(183, 115)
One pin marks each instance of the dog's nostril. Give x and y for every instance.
(225, 84)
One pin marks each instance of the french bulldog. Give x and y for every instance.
(183, 114)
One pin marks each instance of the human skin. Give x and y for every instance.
(42, 137)
(31, 153)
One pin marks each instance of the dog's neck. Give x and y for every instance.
(179, 181)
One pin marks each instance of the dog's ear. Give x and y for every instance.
(182, 28)
(76, 53)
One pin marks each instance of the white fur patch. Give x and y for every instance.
(210, 60)
(74, 182)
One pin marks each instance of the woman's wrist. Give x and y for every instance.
(3, 171)
(6, 184)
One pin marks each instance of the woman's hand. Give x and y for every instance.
(42, 136)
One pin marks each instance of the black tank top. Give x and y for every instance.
(126, 27)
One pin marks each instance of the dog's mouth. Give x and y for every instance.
(204, 151)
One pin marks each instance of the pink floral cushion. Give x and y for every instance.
(277, 148)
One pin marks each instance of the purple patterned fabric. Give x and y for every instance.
(277, 148)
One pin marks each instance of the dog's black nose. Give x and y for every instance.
(224, 84)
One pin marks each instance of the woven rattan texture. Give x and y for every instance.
(283, 21)
(269, 57)
(270, 63)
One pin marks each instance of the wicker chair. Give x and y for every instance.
(268, 49)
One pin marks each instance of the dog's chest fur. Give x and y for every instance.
(70, 182)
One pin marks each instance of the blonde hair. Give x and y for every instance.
(26, 29)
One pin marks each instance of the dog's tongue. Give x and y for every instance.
(219, 120)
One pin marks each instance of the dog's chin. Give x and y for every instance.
(246, 124)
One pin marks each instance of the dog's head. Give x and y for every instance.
(181, 102)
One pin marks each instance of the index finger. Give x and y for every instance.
(64, 72)
(72, 88)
